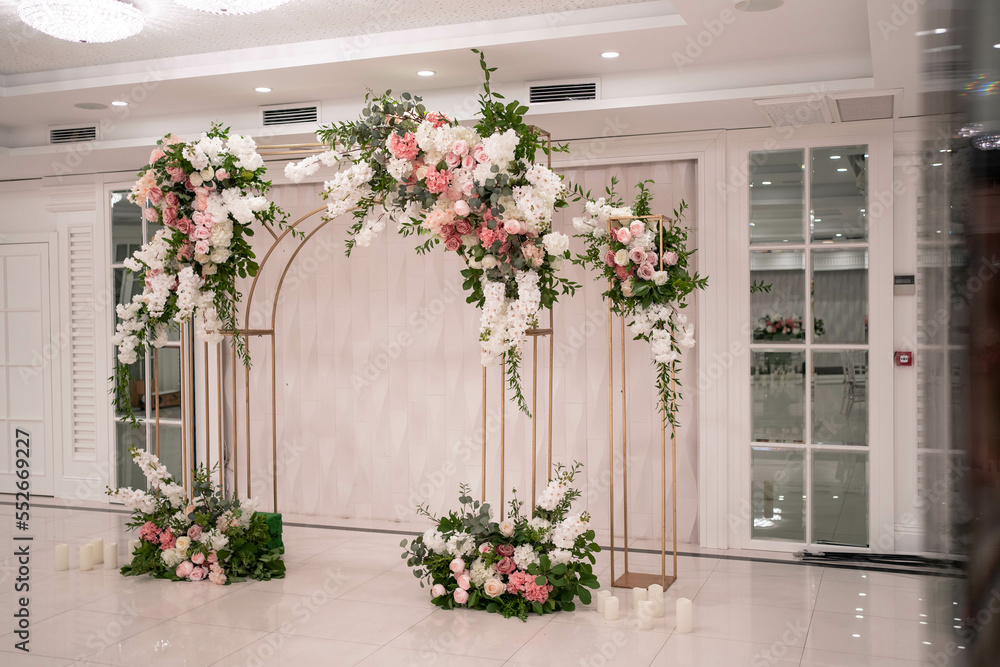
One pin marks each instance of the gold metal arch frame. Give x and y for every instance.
(630, 579)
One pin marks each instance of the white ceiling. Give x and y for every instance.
(661, 83)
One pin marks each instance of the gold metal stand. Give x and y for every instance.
(628, 578)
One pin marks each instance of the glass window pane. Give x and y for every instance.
(777, 196)
(170, 448)
(839, 194)
(167, 383)
(778, 392)
(777, 300)
(777, 491)
(840, 398)
(126, 226)
(128, 473)
(840, 296)
(840, 498)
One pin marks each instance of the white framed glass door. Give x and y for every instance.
(807, 469)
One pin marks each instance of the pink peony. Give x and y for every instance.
(403, 147)
(637, 255)
(150, 532)
(217, 577)
(167, 540)
(457, 565)
(460, 147)
(464, 581)
(645, 271)
(185, 569)
(437, 181)
(670, 258)
(609, 258)
(437, 119)
(201, 203)
(463, 227)
(453, 243)
(438, 590)
(485, 548)
(467, 188)
(201, 247)
(194, 532)
(198, 558)
(535, 593)
(177, 174)
(197, 574)
(506, 565)
(452, 160)
(461, 208)
(637, 227)
(461, 596)
(623, 234)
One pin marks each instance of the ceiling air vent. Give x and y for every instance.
(853, 109)
(796, 111)
(290, 114)
(72, 135)
(563, 91)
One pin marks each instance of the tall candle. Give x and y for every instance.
(638, 594)
(602, 597)
(62, 557)
(683, 615)
(656, 595)
(98, 550)
(611, 608)
(111, 556)
(86, 557)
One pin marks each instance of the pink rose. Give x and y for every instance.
(645, 271)
(150, 214)
(457, 565)
(485, 548)
(217, 577)
(197, 574)
(461, 596)
(622, 272)
(480, 154)
(155, 195)
(201, 233)
(506, 565)
(184, 225)
(460, 147)
(464, 582)
(194, 532)
(461, 208)
(637, 255)
(463, 226)
(155, 155)
(185, 569)
(201, 247)
(637, 227)
(173, 199)
(651, 257)
(452, 160)
(177, 174)
(201, 203)
(512, 226)
(221, 174)
(609, 258)
(468, 162)
(623, 234)
(198, 558)
(438, 590)
(188, 185)
(213, 557)
(467, 188)
(170, 216)
(670, 257)
(186, 250)
(453, 243)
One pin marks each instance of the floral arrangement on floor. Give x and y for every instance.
(520, 565)
(476, 190)
(206, 194)
(772, 326)
(203, 537)
(648, 273)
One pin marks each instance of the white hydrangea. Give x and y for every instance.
(524, 556)
(565, 533)
(560, 556)
(435, 541)
(480, 572)
(540, 524)
(461, 545)
(556, 243)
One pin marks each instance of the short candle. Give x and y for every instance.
(602, 596)
(611, 608)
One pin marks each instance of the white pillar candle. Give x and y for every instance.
(98, 550)
(86, 557)
(655, 594)
(62, 557)
(638, 594)
(646, 614)
(111, 556)
(611, 610)
(132, 546)
(602, 597)
(683, 615)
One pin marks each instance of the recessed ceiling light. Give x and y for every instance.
(610, 54)
(94, 21)
(842, 169)
(262, 89)
(758, 5)
(996, 46)
(90, 106)
(119, 103)
(937, 164)
(933, 31)
(834, 157)
(765, 182)
(426, 72)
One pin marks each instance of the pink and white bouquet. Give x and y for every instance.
(474, 190)
(202, 537)
(206, 195)
(646, 264)
(518, 565)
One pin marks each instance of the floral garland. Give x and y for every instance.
(648, 276)
(519, 565)
(206, 194)
(204, 537)
(473, 189)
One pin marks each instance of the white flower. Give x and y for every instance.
(174, 493)
(556, 243)
(480, 572)
(507, 527)
(490, 262)
(171, 557)
(524, 556)
(560, 556)
(583, 226)
(621, 257)
(215, 539)
(553, 495)
(661, 277)
(434, 541)
(494, 587)
(565, 533)
(183, 544)
(461, 545)
(540, 524)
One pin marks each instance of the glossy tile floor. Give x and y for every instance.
(349, 600)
